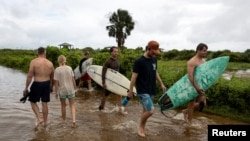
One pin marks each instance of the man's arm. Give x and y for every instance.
(132, 84)
(29, 76)
(104, 71)
(56, 84)
(74, 82)
(52, 77)
(80, 66)
(191, 67)
(158, 78)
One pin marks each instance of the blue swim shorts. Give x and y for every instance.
(146, 101)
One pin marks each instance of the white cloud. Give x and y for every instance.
(176, 24)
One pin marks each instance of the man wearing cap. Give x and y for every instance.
(144, 77)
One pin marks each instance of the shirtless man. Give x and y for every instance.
(200, 101)
(41, 70)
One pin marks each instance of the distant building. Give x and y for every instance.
(65, 45)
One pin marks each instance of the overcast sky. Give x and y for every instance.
(175, 24)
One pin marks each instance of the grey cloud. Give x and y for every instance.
(173, 22)
(232, 25)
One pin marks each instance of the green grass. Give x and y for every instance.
(171, 71)
(238, 66)
(226, 111)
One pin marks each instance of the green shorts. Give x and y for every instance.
(68, 95)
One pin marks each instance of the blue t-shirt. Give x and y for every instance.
(146, 79)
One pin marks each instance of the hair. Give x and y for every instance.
(152, 45)
(41, 50)
(200, 47)
(112, 48)
(61, 59)
(86, 53)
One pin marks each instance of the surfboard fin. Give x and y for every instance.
(165, 104)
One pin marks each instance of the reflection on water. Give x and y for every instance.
(17, 119)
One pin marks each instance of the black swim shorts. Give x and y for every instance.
(40, 91)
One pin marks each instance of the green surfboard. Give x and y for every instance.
(183, 91)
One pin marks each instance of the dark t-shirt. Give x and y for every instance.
(146, 79)
(112, 64)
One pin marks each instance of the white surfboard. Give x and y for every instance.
(115, 81)
(85, 65)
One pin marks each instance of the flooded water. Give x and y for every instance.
(17, 120)
(239, 74)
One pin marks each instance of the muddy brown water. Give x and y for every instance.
(17, 120)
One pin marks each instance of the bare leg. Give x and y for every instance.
(103, 101)
(119, 99)
(185, 114)
(73, 112)
(89, 85)
(201, 103)
(45, 112)
(188, 113)
(144, 117)
(35, 109)
(122, 109)
(80, 83)
(63, 109)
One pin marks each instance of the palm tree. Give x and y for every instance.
(121, 26)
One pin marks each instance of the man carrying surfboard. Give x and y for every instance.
(200, 101)
(85, 77)
(111, 63)
(144, 77)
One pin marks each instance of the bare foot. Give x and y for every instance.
(122, 110)
(38, 122)
(141, 132)
(45, 125)
(185, 115)
(73, 125)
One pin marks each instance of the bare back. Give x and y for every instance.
(41, 69)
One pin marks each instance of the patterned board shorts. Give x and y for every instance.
(146, 101)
